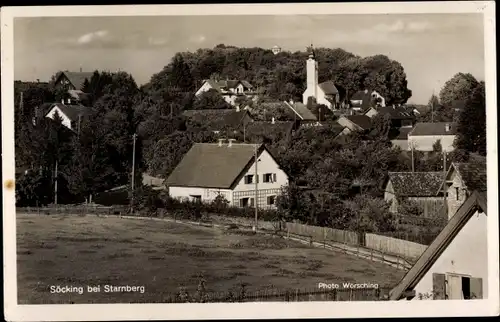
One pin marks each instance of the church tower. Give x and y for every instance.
(312, 75)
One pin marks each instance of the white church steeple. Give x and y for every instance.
(312, 74)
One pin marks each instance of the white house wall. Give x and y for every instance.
(207, 194)
(266, 165)
(466, 255)
(425, 142)
(65, 120)
(204, 88)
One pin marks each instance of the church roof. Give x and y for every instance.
(328, 88)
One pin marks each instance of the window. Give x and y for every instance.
(270, 177)
(456, 287)
(244, 202)
(457, 192)
(271, 200)
(249, 179)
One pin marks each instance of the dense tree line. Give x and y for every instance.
(324, 172)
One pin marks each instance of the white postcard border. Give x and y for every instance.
(16, 312)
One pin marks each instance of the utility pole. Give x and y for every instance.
(256, 189)
(55, 186)
(134, 137)
(412, 159)
(432, 107)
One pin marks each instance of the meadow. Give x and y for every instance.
(163, 257)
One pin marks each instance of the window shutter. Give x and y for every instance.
(257, 176)
(274, 177)
(252, 202)
(476, 288)
(439, 286)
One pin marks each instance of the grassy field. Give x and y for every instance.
(163, 257)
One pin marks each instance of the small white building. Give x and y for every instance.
(455, 265)
(324, 93)
(425, 135)
(71, 115)
(229, 89)
(461, 180)
(276, 49)
(228, 169)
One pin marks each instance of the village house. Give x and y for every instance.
(418, 187)
(400, 116)
(229, 170)
(455, 265)
(355, 123)
(229, 89)
(324, 93)
(72, 82)
(363, 100)
(302, 113)
(219, 120)
(461, 180)
(71, 115)
(425, 135)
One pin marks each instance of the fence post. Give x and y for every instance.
(324, 237)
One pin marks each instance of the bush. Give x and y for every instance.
(409, 208)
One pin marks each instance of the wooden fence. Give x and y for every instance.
(324, 233)
(273, 295)
(405, 248)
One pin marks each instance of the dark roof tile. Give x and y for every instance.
(209, 165)
(438, 128)
(416, 184)
(362, 121)
(328, 88)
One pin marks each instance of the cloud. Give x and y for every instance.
(198, 39)
(157, 42)
(399, 27)
(92, 36)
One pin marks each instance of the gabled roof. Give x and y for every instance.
(396, 112)
(362, 121)
(472, 173)
(220, 85)
(476, 202)
(217, 117)
(328, 88)
(77, 79)
(416, 184)
(302, 111)
(262, 128)
(438, 128)
(209, 165)
(72, 111)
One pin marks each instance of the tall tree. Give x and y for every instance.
(457, 90)
(471, 129)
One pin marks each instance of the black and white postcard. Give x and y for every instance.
(249, 161)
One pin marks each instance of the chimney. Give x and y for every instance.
(447, 127)
(272, 120)
(366, 91)
(221, 141)
(230, 142)
(237, 108)
(80, 69)
(291, 101)
(62, 100)
(393, 106)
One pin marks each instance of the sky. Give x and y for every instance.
(431, 47)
